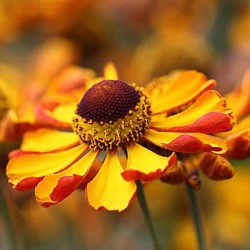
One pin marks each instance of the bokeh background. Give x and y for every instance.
(144, 39)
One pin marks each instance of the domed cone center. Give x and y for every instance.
(112, 113)
(109, 100)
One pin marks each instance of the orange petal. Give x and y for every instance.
(25, 171)
(70, 78)
(189, 84)
(45, 140)
(207, 115)
(108, 189)
(186, 142)
(145, 165)
(56, 187)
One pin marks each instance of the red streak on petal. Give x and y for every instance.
(46, 204)
(28, 183)
(66, 185)
(132, 175)
(19, 152)
(189, 144)
(210, 123)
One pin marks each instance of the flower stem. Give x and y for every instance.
(196, 216)
(146, 214)
(4, 213)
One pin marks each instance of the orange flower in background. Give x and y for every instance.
(50, 17)
(175, 113)
(239, 138)
(218, 167)
(51, 75)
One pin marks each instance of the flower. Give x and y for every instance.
(238, 139)
(51, 76)
(218, 167)
(174, 113)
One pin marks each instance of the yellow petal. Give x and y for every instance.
(108, 189)
(45, 140)
(65, 112)
(180, 91)
(207, 115)
(186, 142)
(110, 72)
(24, 171)
(56, 187)
(145, 165)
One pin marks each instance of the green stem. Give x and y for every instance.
(196, 216)
(4, 213)
(146, 214)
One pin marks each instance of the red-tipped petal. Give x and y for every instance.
(145, 165)
(186, 142)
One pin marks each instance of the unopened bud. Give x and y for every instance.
(175, 174)
(216, 167)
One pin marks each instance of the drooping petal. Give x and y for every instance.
(145, 165)
(186, 142)
(189, 84)
(46, 140)
(207, 115)
(56, 187)
(108, 189)
(25, 171)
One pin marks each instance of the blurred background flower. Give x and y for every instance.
(42, 42)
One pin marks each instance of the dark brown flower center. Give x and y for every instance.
(112, 113)
(108, 101)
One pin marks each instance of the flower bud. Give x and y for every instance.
(175, 174)
(216, 167)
